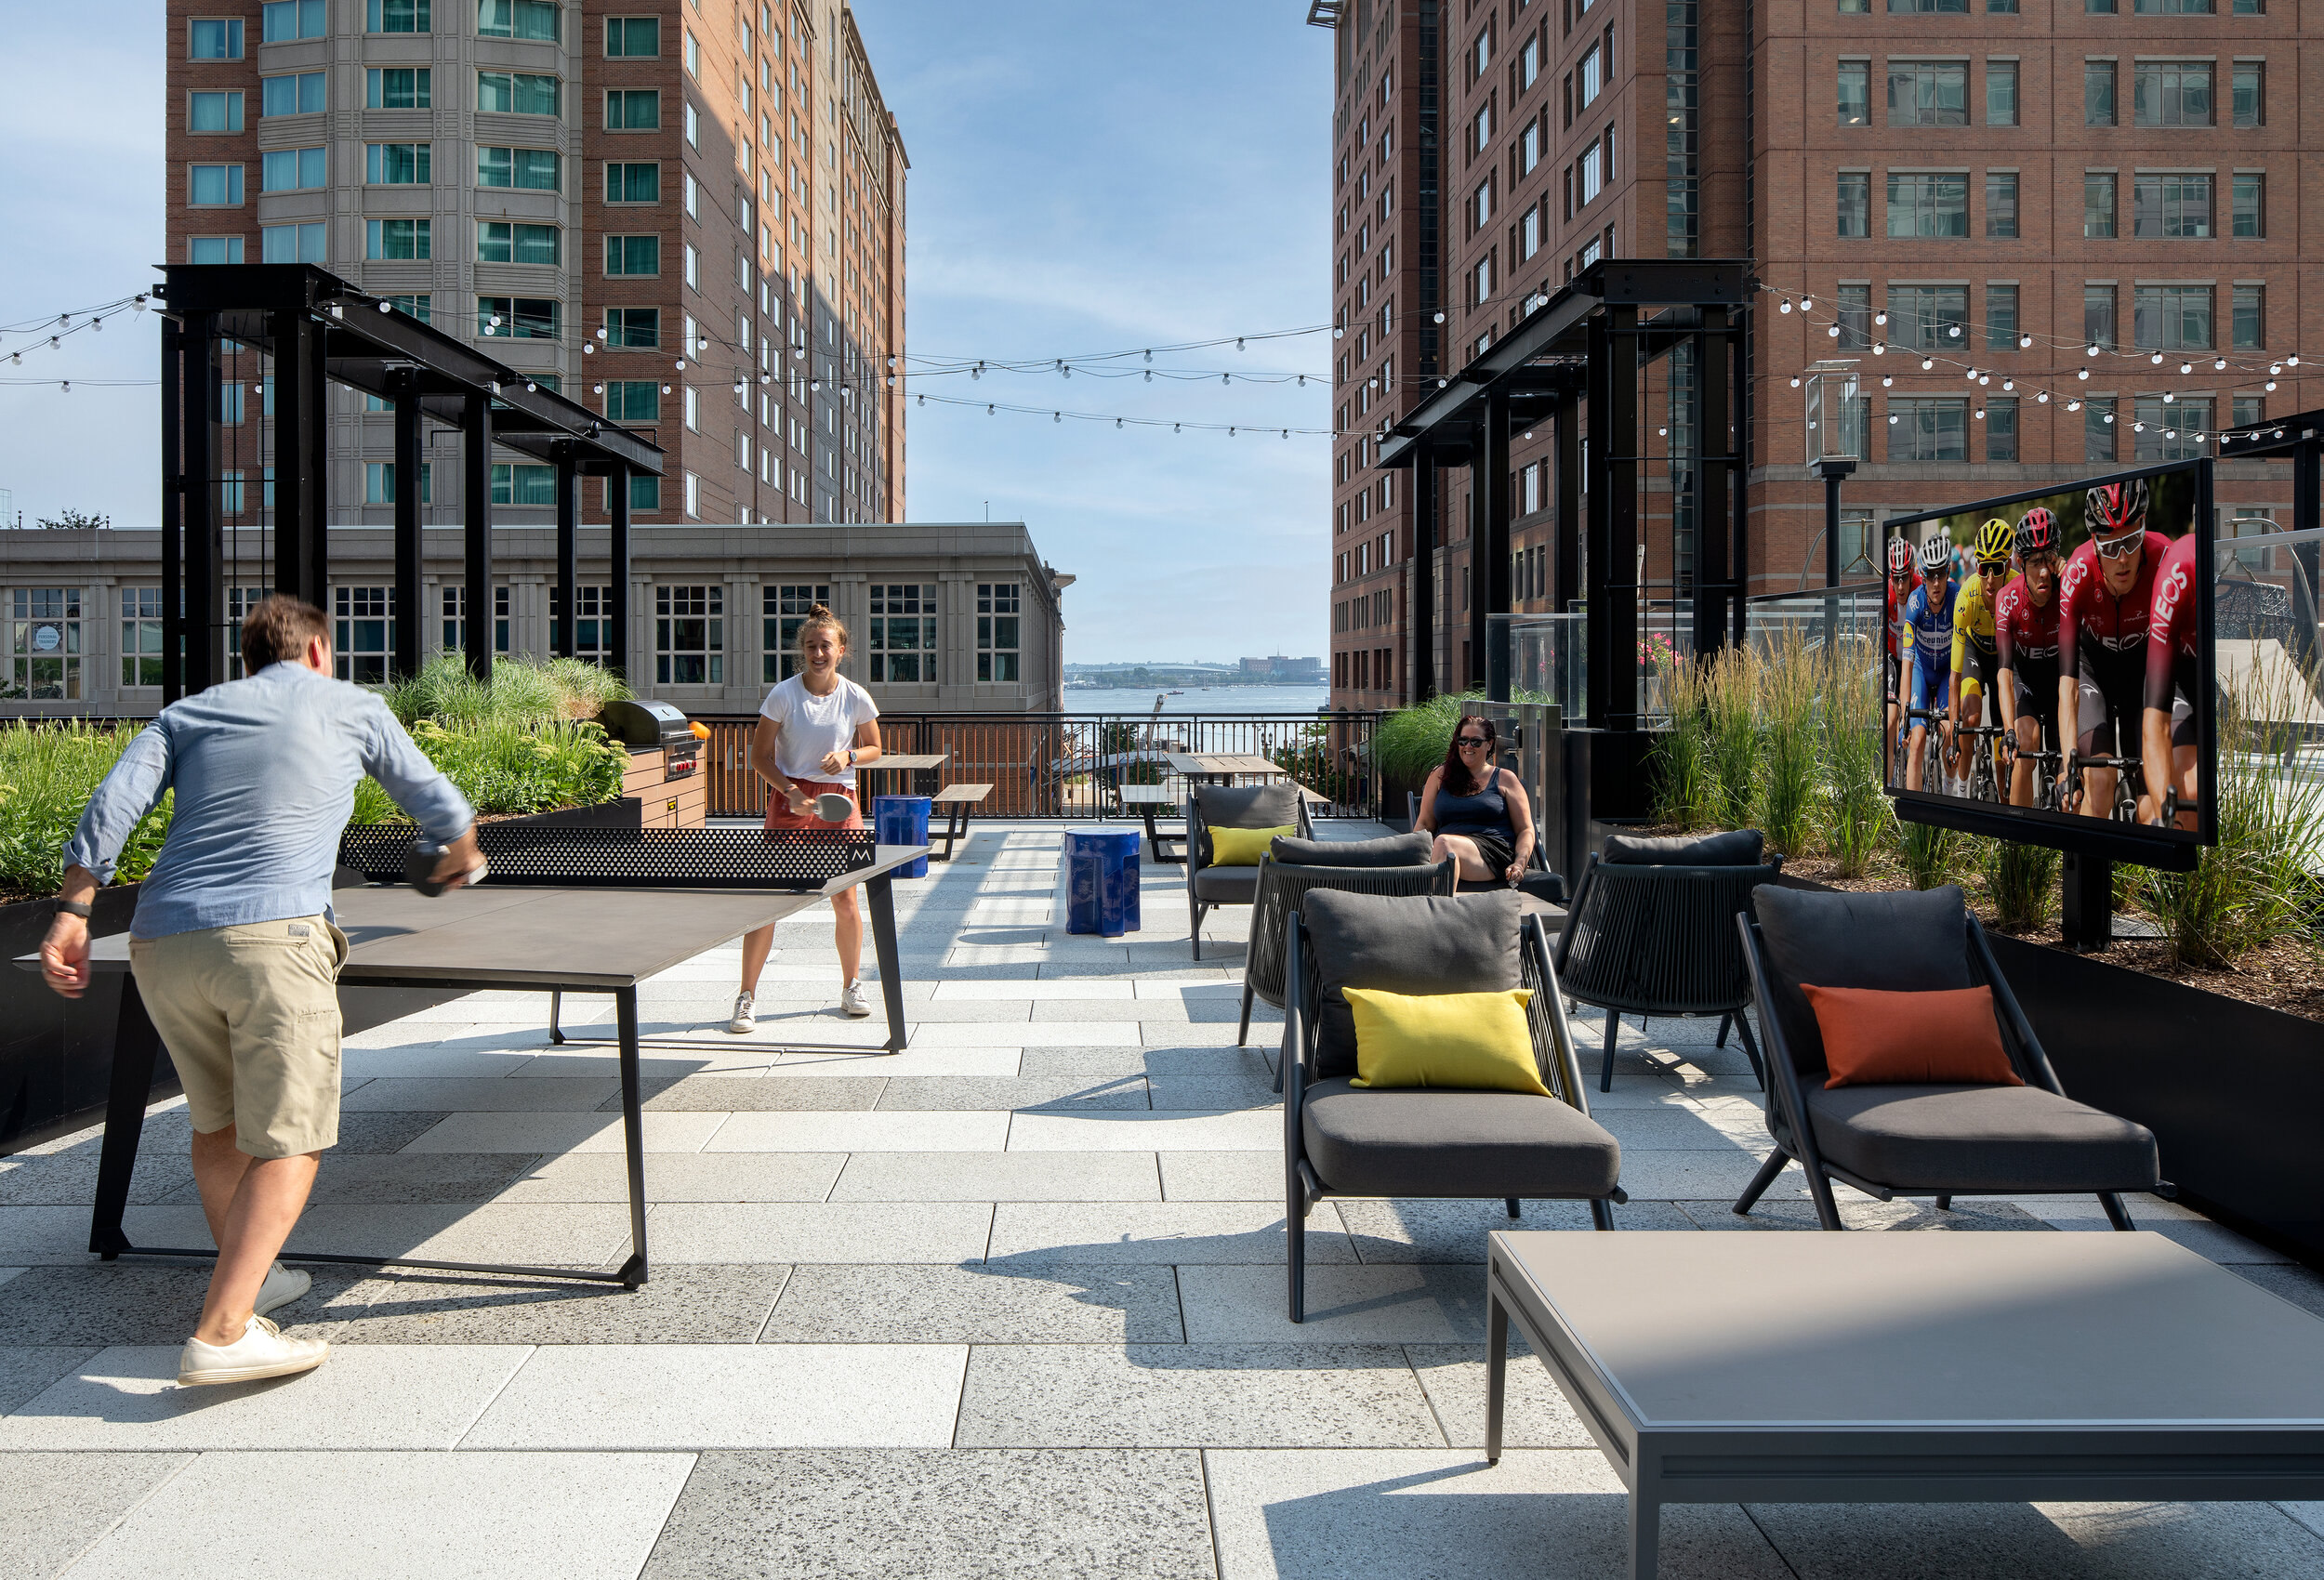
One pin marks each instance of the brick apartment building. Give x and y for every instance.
(686, 214)
(2038, 175)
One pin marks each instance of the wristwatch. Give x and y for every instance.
(851, 756)
(73, 908)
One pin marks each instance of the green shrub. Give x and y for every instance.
(1786, 684)
(1411, 741)
(1930, 853)
(507, 768)
(1680, 758)
(1731, 729)
(1856, 812)
(2021, 880)
(523, 691)
(47, 773)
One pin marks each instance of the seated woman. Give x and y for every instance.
(1478, 811)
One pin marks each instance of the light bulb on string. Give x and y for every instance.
(1880, 348)
(1340, 334)
(2082, 374)
(1807, 304)
(1927, 363)
(2155, 359)
(2073, 405)
(2219, 364)
(2270, 385)
(664, 388)
(2090, 351)
(1886, 382)
(1981, 414)
(2292, 361)
(2168, 397)
(1785, 306)
(2042, 397)
(2186, 367)
(588, 349)
(2025, 342)
(1880, 318)
(1795, 381)
(1833, 332)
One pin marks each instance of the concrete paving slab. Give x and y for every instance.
(999, 1177)
(862, 1132)
(911, 1062)
(479, 1094)
(821, 1232)
(1087, 1303)
(2052, 1541)
(1214, 1062)
(965, 1093)
(680, 1304)
(1029, 1034)
(1152, 1132)
(1405, 1230)
(564, 1133)
(1222, 1176)
(1178, 1234)
(27, 1370)
(54, 1505)
(746, 1094)
(69, 1177)
(1535, 1413)
(1406, 1304)
(1074, 989)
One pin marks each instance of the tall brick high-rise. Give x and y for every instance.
(687, 214)
(2040, 176)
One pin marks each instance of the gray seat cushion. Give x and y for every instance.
(1227, 886)
(1396, 851)
(1738, 847)
(1900, 942)
(1981, 1139)
(1453, 1143)
(1411, 944)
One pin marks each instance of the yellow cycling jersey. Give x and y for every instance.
(1973, 617)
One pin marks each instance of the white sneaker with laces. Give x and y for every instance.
(745, 1018)
(851, 999)
(261, 1352)
(282, 1287)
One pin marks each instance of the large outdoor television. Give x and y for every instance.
(2063, 694)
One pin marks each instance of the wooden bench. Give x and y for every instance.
(1147, 800)
(957, 799)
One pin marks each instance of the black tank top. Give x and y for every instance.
(1484, 813)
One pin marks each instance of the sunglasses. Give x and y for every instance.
(1474, 740)
(2130, 542)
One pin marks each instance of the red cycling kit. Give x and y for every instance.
(2026, 635)
(2173, 633)
(2102, 639)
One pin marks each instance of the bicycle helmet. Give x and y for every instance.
(2036, 534)
(1899, 557)
(2114, 508)
(1937, 554)
(1993, 542)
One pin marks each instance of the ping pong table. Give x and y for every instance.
(502, 934)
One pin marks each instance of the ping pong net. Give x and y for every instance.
(550, 856)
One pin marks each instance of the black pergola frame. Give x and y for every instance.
(1561, 356)
(319, 330)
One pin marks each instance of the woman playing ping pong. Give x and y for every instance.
(814, 731)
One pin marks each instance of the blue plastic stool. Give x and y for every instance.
(1102, 882)
(901, 820)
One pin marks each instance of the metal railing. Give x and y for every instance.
(1073, 765)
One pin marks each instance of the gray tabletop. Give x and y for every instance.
(1787, 1330)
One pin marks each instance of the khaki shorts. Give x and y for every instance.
(250, 1015)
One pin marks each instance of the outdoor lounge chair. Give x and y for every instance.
(1651, 932)
(1340, 1139)
(1918, 1140)
(1208, 885)
(1540, 882)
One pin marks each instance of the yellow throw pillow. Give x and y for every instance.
(1473, 1040)
(1243, 847)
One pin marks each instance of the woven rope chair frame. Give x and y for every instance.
(1282, 885)
(1198, 857)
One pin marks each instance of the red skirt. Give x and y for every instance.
(779, 813)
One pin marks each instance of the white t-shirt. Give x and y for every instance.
(814, 725)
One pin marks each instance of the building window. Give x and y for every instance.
(292, 18)
(456, 618)
(1855, 202)
(45, 644)
(1853, 307)
(213, 112)
(499, 241)
(2166, 203)
(214, 249)
(690, 634)
(214, 38)
(1529, 232)
(633, 255)
(532, 169)
(396, 238)
(694, 127)
(2250, 410)
(2170, 430)
(1529, 146)
(2247, 327)
(364, 634)
(1855, 542)
(2000, 318)
(519, 318)
(2098, 203)
(694, 492)
(393, 164)
(299, 93)
(903, 632)
(2098, 93)
(401, 15)
(632, 37)
(692, 56)
(2098, 327)
(1928, 206)
(998, 609)
(142, 625)
(693, 405)
(518, 18)
(1928, 431)
(2249, 203)
(214, 186)
(1595, 166)
(1855, 105)
(1928, 93)
(522, 483)
(2001, 203)
(517, 93)
(2098, 428)
(633, 329)
(633, 109)
(592, 625)
(784, 606)
(417, 307)
(2172, 7)
(398, 88)
(2000, 93)
(293, 244)
(2171, 93)
(633, 181)
(2000, 430)
(380, 484)
(2248, 87)
(2171, 317)
(1899, 7)
(633, 401)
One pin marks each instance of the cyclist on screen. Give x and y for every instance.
(1927, 624)
(2025, 637)
(2105, 600)
(1974, 649)
(1901, 581)
(2175, 682)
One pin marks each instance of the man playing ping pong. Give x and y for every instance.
(233, 948)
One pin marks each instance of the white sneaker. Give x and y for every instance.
(282, 1287)
(745, 1017)
(261, 1352)
(851, 999)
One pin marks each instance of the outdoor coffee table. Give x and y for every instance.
(505, 935)
(1923, 1368)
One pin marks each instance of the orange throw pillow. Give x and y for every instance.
(1948, 1038)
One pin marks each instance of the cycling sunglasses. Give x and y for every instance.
(2130, 542)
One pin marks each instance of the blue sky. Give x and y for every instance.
(1086, 177)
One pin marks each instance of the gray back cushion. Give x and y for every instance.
(1904, 943)
(1415, 944)
(1396, 851)
(1246, 806)
(1739, 848)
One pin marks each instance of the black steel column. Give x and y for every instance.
(2305, 502)
(206, 543)
(1615, 458)
(1488, 565)
(560, 600)
(617, 577)
(1568, 586)
(1738, 558)
(318, 460)
(1713, 478)
(476, 513)
(406, 610)
(300, 412)
(1422, 601)
(173, 525)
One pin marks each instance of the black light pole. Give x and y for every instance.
(1832, 468)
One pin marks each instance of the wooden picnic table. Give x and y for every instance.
(902, 762)
(1224, 767)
